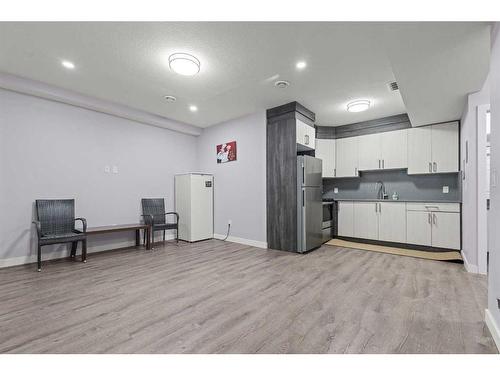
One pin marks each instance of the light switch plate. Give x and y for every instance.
(335, 190)
(446, 189)
(115, 169)
(107, 169)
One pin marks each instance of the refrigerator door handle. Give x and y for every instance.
(302, 197)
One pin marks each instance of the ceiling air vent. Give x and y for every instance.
(393, 86)
(281, 84)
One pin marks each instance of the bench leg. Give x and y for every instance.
(39, 258)
(84, 251)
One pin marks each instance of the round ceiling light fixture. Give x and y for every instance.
(281, 84)
(193, 108)
(301, 65)
(68, 64)
(358, 105)
(170, 98)
(184, 64)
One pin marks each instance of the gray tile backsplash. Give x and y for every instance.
(416, 187)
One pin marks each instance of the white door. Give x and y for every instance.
(445, 147)
(369, 152)
(325, 150)
(366, 220)
(446, 230)
(419, 150)
(394, 149)
(202, 200)
(346, 159)
(418, 228)
(345, 219)
(392, 222)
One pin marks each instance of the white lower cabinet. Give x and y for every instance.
(392, 222)
(366, 220)
(446, 230)
(345, 222)
(418, 228)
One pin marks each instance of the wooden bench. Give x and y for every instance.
(122, 228)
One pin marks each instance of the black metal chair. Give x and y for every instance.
(153, 212)
(55, 224)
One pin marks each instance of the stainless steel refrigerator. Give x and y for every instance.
(309, 203)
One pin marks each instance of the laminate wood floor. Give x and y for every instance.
(221, 297)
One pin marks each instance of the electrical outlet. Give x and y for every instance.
(335, 190)
(115, 169)
(229, 222)
(446, 189)
(107, 169)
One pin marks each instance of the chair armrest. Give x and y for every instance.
(38, 227)
(84, 223)
(173, 213)
(150, 217)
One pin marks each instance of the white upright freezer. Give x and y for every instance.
(194, 202)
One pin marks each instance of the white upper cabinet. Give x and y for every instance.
(383, 150)
(394, 150)
(306, 135)
(325, 150)
(433, 149)
(419, 150)
(445, 147)
(346, 157)
(369, 152)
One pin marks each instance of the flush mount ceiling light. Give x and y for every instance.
(193, 108)
(170, 98)
(281, 84)
(301, 65)
(68, 64)
(184, 64)
(358, 106)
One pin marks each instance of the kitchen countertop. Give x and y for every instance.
(390, 200)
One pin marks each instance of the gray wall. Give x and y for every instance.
(54, 150)
(240, 186)
(421, 187)
(494, 213)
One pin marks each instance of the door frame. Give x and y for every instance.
(482, 212)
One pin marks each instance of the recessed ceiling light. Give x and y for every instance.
(193, 108)
(281, 84)
(184, 64)
(170, 98)
(301, 65)
(68, 64)
(358, 105)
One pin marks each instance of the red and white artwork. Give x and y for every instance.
(226, 152)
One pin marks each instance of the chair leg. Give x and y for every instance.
(74, 244)
(144, 236)
(163, 236)
(39, 258)
(177, 234)
(84, 251)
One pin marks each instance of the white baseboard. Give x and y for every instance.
(472, 268)
(16, 261)
(493, 327)
(243, 241)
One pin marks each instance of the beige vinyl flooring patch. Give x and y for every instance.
(223, 297)
(431, 255)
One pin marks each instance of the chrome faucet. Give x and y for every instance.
(381, 194)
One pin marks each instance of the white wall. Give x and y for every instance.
(493, 312)
(469, 134)
(54, 150)
(240, 186)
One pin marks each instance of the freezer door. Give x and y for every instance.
(202, 201)
(312, 218)
(311, 174)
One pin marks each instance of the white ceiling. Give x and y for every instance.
(435, 64)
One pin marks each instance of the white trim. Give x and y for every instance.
(57, 94)
(244, 241)
(481, 211)
(493, 327)
(27, 259)
(472, 268)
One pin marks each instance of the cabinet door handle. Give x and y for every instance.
(434, 219)
(356, 171)
(383, 163)
(334, 172)
(380, 207)
(430, 167)
(429, 218)
(435, 167)
(378, 163)
(306, 139)
(376, 205)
